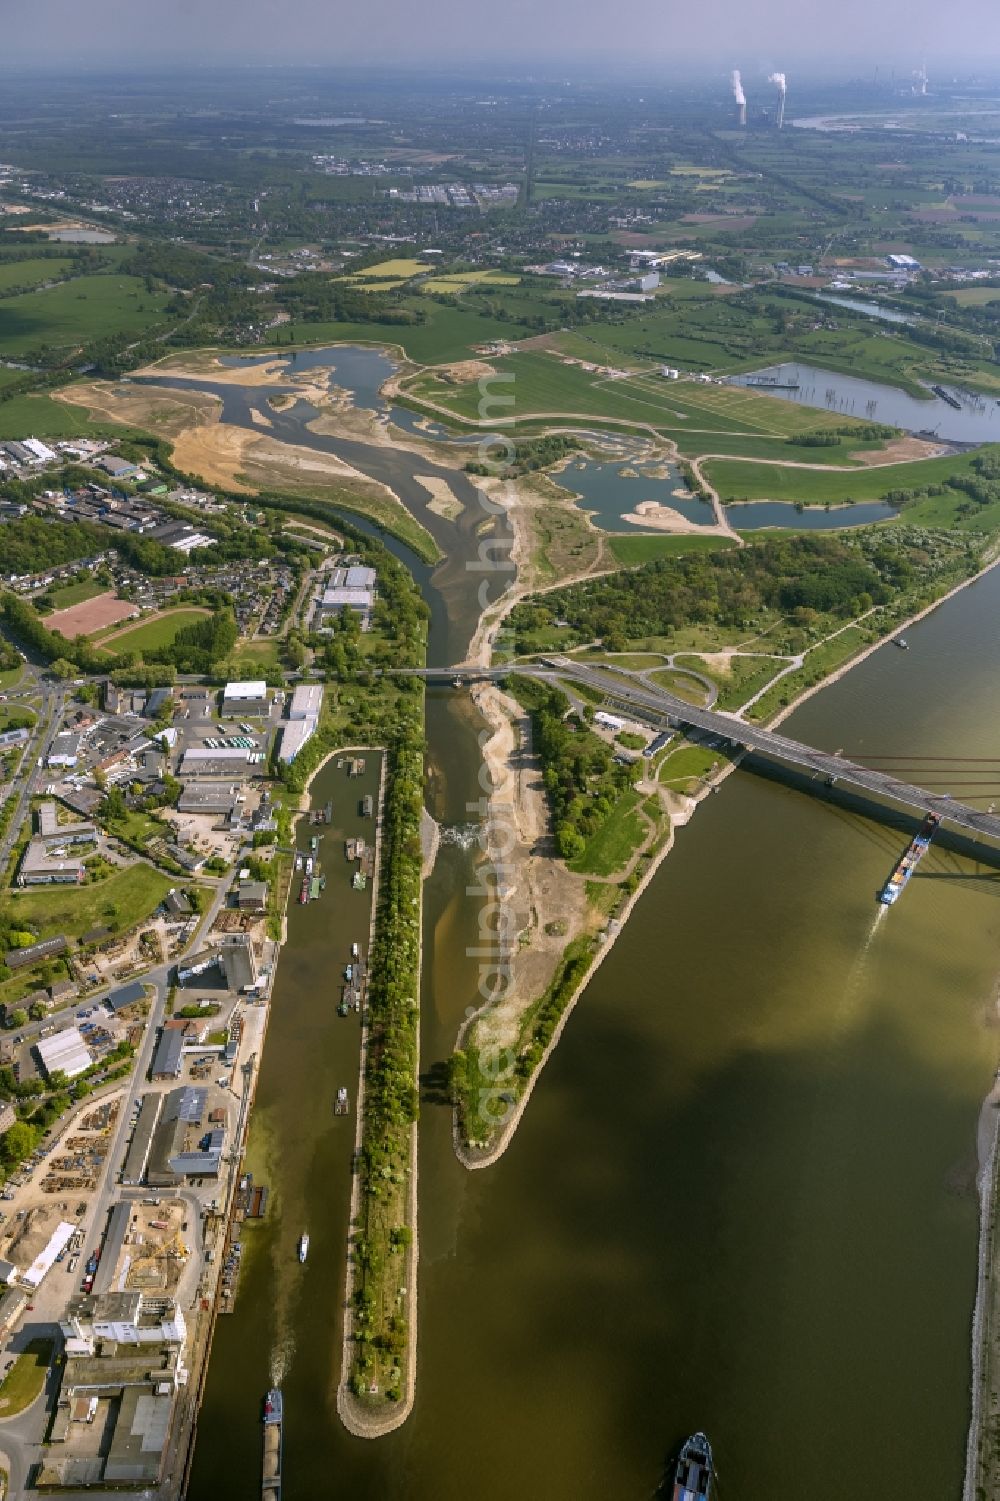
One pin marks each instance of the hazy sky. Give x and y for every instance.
(724, 33)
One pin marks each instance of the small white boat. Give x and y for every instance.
(303, 1246)
(355, 951)
(298, 861)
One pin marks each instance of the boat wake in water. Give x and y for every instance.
(857, 973)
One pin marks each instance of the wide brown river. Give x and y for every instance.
(742, 1197)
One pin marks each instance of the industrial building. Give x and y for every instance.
(124, 1318)
(172, 1157)
(168, 1056)
(207, 797)
(52, 833)
(137, 1155)
(117, 468)
(41, 867)
(65, 1053)
(245, 698)
(65, 750)
(307, 699)
(303, 715)
(114, 1239)
(239, 963)
(126, 995)
(45, 1260)
(224, 762)
(351, 588)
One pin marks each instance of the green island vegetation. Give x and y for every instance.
(381, 1295)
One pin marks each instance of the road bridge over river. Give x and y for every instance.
(645, 701)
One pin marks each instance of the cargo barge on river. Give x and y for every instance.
(915, 852)
(270, 1488)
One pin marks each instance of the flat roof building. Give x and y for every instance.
(65, 750)
(207, 797)
(206, 762)
(294, 735)
(42, 867)
(114, 1239)
(52, 832)
(307, 700)
(246, 698)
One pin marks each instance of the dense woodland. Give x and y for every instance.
(816, 574)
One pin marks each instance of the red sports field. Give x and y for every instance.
(90, 615)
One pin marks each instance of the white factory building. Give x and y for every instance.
(350, 588)
(245, 698)
(303, 719)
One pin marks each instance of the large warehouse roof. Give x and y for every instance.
(246, 690)
(66, 1051)
(307, 699)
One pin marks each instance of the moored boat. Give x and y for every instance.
(303, 1245)
(693, 1470)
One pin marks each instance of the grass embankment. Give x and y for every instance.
(24, 1381)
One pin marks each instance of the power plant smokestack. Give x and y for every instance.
(739, 96)
(778, 79)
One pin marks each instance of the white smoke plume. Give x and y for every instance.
(737, 83)
(778, 79)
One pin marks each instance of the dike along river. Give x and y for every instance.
(742, 1198)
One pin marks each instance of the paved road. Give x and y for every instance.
(660, 707)
(38, 747)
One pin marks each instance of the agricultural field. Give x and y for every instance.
(752, 481)
(76, 312)
(31, 273)
(543, 384)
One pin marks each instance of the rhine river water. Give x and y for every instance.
(742, 1196)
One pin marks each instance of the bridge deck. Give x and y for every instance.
(656, 703)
